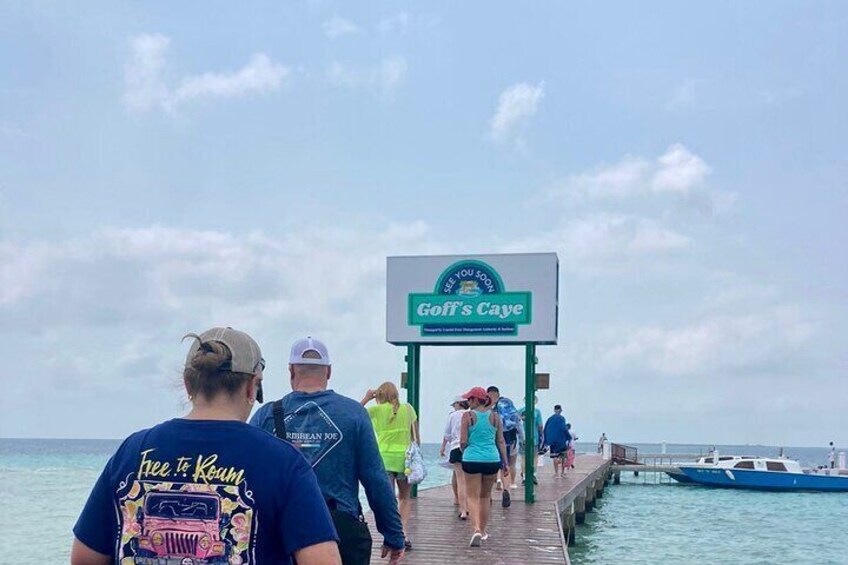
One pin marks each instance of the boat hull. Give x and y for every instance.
(765, 480)
(679, 477)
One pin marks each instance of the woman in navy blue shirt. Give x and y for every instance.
(208, 488)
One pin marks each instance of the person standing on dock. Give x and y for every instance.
(831, 457)
(453, 428)
(556, 438)
(511, 423)
(483, 454)
(569, 450)
(396, 427)
(335, 435)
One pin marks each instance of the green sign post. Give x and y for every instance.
(413, 384)
(530, 422)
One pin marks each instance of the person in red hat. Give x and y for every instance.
(483, 455)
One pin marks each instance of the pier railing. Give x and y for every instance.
(624, 454)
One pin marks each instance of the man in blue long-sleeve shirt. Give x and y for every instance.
(334, 433)
(556, 438)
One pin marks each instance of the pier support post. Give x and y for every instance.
(572, 527)
(580, 509)
(569, 523)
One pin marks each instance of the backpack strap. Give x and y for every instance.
(279, 419)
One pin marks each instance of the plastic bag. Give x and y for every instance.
(414, 468)
(445, 462)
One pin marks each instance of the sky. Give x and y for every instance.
(166, 168)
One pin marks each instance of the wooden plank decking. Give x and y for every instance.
(523, 533)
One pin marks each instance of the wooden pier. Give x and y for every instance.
(537, 533)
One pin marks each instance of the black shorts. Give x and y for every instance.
(480, 468)
(354, 538)
(558, 452)
(455, 456)
(511, 441)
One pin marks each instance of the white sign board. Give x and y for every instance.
(510, 298)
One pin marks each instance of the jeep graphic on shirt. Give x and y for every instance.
(165, 522)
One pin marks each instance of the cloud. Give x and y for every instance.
(21, 265)
(154, 273)
(400, 22)
(603, 243)
(745, 344)
(391, 73)
(261, 74)
(404, 22)
(682, 97)
(10, 131)
(384, 79)
(105, 311)
(144, 84)
(677, 173)
(338, 27)
(623, 179)
(612, 235)
(516, 105)
(780, 96)
(146, 87)
(642, 313)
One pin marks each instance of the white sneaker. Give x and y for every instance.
(476, 539)
(499, 484)
(485, 536)
(513, 486)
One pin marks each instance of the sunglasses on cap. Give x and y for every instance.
(260, 366)
(260, 396)
(227, 365)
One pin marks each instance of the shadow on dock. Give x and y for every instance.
(522, 534)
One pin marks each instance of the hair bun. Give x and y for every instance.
(210, 357)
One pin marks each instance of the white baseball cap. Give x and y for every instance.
(309, 343)
(457, 400)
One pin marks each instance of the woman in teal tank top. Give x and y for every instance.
(483, 454)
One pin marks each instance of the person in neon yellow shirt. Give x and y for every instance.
(396, 426)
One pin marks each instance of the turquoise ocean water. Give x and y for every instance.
(44, 483)
(651, 519)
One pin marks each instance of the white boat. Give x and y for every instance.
(705, 461)
(761, 473)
